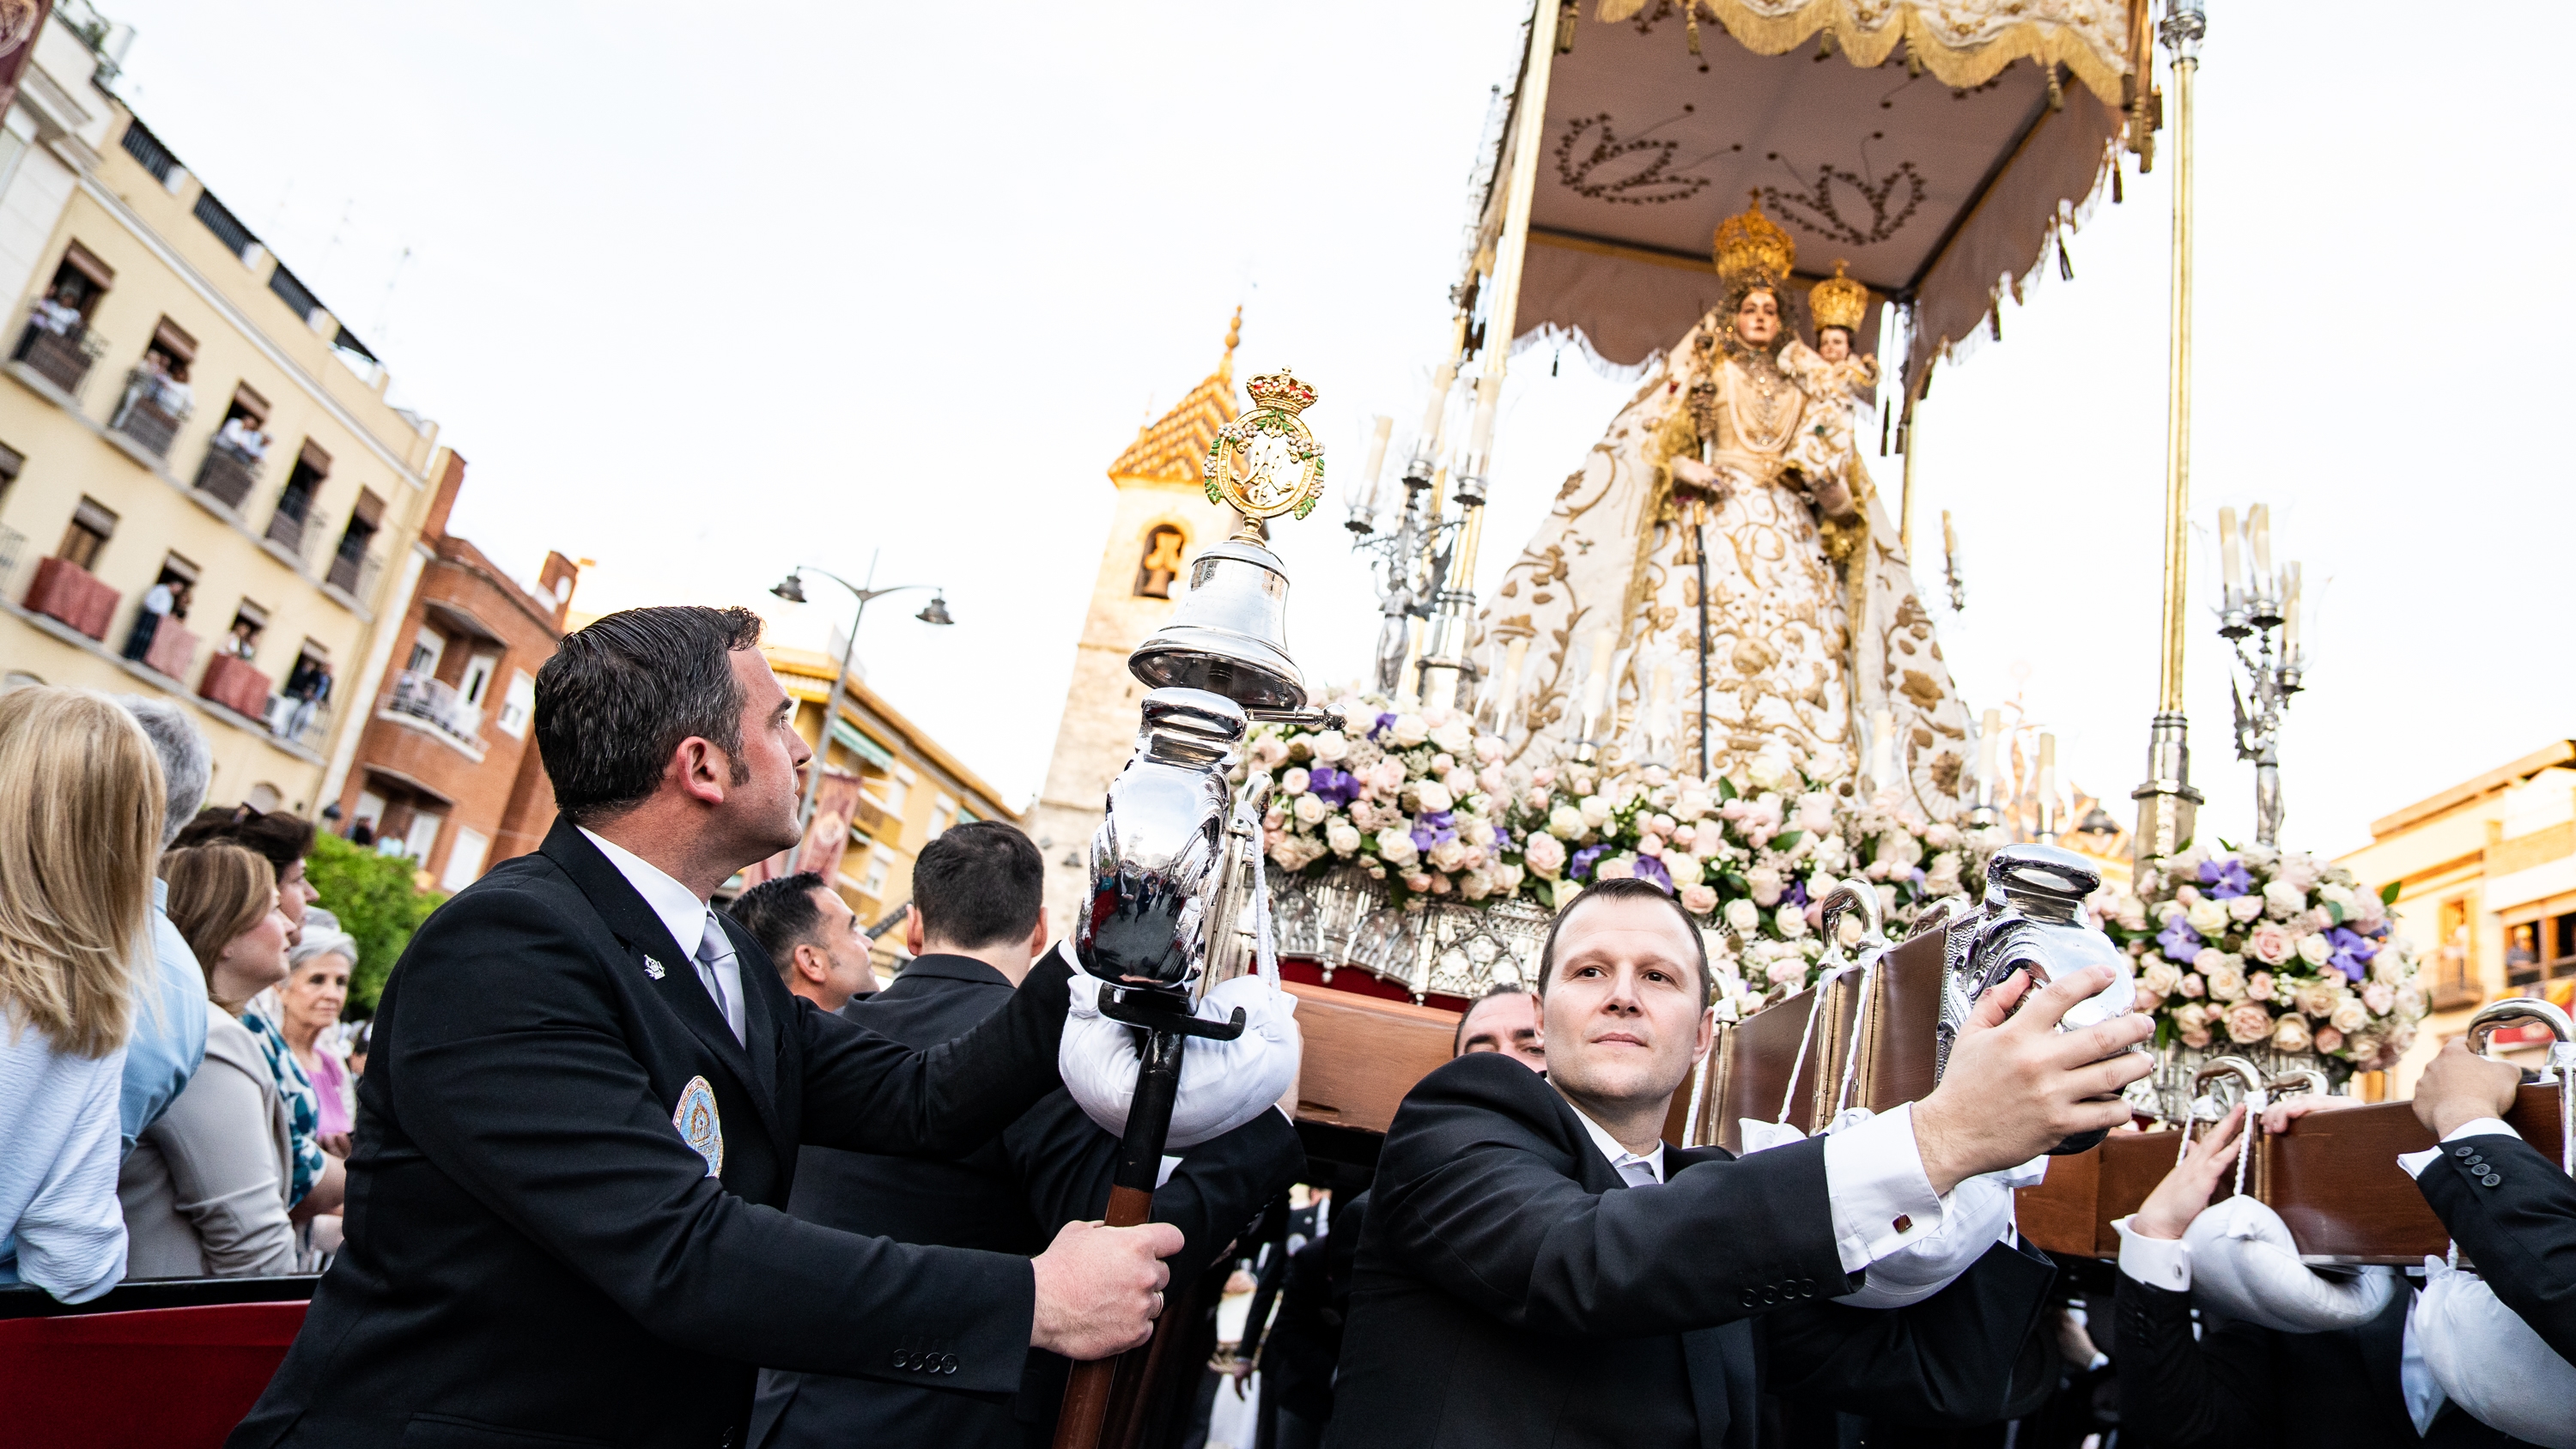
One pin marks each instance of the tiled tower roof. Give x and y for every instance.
(1171, 449)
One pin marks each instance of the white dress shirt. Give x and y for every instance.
(2166, 1263)
(689, 919)
(1874, 1183)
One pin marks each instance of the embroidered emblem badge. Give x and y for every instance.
(652, 968)
(698, 1124)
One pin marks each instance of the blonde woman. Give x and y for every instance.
(80, 823)
(205, 1188)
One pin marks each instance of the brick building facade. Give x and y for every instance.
(447, 771)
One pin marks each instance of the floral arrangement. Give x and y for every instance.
(2262, 946)
(1424, 802)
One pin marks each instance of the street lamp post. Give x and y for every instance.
(792, 589)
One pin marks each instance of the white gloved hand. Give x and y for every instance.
(2490, 1361)
(1224, 1084)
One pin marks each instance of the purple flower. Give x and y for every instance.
(1795, 895)
(1340, 787)
(1433, 829)
(2180, 941)
(2228, 882)
(1649, 868)
(1580, 867)
(1378, 731)
(2352, 952)
(1502, 840)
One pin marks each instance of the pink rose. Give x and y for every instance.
(2192, 985)
(2195, 1037)
(2258, 987)
(2272, 944)
(1545, 855)
(2248, 1022)
(1699, 900)
(2329, 1040)
(2291, 1033)
(2378, 996)
(1417, 882)
(1787, 970)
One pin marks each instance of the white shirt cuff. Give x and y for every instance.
(2157, 1262)
(2416, 1162)
(1881, 1198)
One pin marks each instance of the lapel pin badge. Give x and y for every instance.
(652, 968)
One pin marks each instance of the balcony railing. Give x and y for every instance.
(13, 556)
(151, 412)
(292, 530)
(228, 477)
(310, 732)
(354, 573)
(60, 353)
(432, 700)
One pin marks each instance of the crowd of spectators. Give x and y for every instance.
(175, 1081)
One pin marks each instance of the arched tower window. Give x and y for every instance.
(1162, 562)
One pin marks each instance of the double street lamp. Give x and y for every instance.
(792, 589)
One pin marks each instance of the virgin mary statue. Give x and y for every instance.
(1718, 590)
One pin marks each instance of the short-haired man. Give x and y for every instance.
(978, 925)
(814, 937)
(1514, 1287)
(169, 1041)
(1504, 1019)
(580, 1121)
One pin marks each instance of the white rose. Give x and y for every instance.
(2315, 949)
(2389, 965)
(1565, 822)
(1772, 771)
(1596, 810)
(2244, 908)
(1743, 917)
(1431, 796)
(1395, 847)
(1409, 730)
(1310, 809)
(1683, 868)
(2285, 899)
(1448, 855)
(2162, 977)
(1454, 736)
(1330, 746)
(2336, 894)
(2350, 1016)
(2208, 917)
(1791, 921)
(1694, 803)
(1342, 836)
(1816, 812)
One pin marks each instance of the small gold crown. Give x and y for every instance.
(1282, 391)
(1838, 301)
(1750, 251)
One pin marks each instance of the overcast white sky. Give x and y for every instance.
(701, 299)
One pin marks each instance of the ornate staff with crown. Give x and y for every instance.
(1178, 859)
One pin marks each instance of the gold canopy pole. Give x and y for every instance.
(1445, 670)
(2167, 804)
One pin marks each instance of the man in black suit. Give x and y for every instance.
(977, 928)
(2511, 1209)
(822, 953)
(2238, 1385)
(1538, 1268)
(579, 1124)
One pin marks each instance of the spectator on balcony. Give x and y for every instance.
(309, 685)
(170, 1033)
(79, 826)
(163, 600)
(60, 313)
(205, 1190)
(243, 641)
(163, 380)
(317, 986)
(242, 438)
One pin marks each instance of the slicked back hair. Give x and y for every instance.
(781, 915)
(1458, 1038)
(980, 884)
(1619, 889)
(619, 696)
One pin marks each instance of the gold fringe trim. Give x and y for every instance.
(2098, 62)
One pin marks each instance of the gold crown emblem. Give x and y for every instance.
(1838, 301)
(1281, 391)
(1750, 251)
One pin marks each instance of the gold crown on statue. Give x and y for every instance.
(1281, 390)
(1750, 251)
(1838, 301)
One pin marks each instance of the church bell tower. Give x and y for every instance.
(1164, 519)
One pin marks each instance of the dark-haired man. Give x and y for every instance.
(282, 839)
(814, 937)
(1504, 1019)
(581, 1118)
(1539, 1268)
(977, 928)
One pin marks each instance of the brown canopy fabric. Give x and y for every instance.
(1935, 185)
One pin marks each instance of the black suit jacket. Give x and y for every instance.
(1051, 1167)
(1509, 1291)
(2244, 1386)
(2513, 1211)
(534, 1250)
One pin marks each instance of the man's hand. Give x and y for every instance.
(2016, 1087)
(2279, 1116)
(2461, 1086)
(1100, 1288)
(2168, 1210)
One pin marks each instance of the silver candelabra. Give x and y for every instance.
(1410, 563)
(2259, 618)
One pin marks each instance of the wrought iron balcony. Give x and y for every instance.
(292, 530)
(425, 698)
(228, 477)
(148, 415)
(354, 573)
(60, 354)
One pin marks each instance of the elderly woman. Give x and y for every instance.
(205, 1188)
(309, 1002)
(80, 813)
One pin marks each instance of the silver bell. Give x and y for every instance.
(1157, 861)
(1230, 634)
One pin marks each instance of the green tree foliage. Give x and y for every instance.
(376, 901)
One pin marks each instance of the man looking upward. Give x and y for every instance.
(1538, 1268)
(814, 937)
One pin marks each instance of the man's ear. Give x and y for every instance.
(1704, 1037)
(1038, 937)
(702, 770)
(812, 962)
(915, 939)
